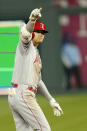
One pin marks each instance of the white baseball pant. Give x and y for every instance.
(26, 111)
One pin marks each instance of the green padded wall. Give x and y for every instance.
(9, 37)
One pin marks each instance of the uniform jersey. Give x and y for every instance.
(27, 66)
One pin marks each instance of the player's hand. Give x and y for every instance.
(56, 108)
(35, 14)
(11, 92)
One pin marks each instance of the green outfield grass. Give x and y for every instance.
(74, 118)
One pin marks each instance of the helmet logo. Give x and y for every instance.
(42, 26)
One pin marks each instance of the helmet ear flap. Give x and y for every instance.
(32, 35)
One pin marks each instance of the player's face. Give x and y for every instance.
(39, 37)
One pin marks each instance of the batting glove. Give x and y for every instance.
(56, 107)
(35, 14)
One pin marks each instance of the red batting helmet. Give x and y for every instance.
(40, 26)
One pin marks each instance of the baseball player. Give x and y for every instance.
(27, 79)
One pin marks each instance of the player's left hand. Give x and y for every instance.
(56, 108)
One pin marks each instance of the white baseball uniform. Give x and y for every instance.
(27, 73)
(26, 80)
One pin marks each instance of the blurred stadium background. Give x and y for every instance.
(59, 16)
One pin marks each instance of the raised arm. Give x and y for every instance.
(26, 29)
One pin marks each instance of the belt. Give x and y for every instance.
(29, 88)
(15, 85)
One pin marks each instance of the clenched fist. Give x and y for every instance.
(35, 14)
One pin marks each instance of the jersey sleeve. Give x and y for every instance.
(26, 32)
(43, 89)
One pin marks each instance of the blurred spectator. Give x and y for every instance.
(71, 59)
(65, 38)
